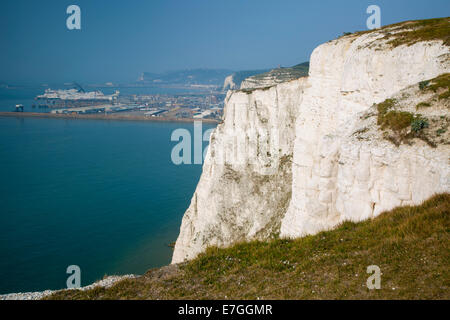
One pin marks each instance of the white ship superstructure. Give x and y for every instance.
(76, 95)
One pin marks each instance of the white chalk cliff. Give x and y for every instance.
(229, 84)
(286, 160)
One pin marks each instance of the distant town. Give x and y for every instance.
(198, 94)
(90, 102)
(77, 101)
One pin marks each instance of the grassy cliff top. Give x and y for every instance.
(240, 76)
(409, 244)
(283, 74)
(411, 32)
(422, 30)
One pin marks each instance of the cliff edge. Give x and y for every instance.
(343, 144)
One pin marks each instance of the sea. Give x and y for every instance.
(99, 194)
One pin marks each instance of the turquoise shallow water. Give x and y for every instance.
(103, 195)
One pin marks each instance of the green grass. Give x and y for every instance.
(395, 123)
(411, 32)
(409, 244)
(280, 75)
(418, 123)
(423, 105)
(423, 84)
(402, 127)
(424, 30)
(384, 107)
(397, 120)
(441, 131)
(393, 119)
(440, 84)
(421, 30)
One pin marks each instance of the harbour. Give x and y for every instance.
(131, 116)
(77, 103)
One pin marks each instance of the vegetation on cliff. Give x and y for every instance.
(240, 76)
(401, 123)
(411, 32)
(422, 30)
(409, 244)
(440, 85)
(264, 81)
(285, 74)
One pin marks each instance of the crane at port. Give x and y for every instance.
(79, 87)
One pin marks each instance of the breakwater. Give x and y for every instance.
(129, 117)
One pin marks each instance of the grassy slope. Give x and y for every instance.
(409, 244)
(285, 74)
(411, 32)
(240, 76)
(422, 30)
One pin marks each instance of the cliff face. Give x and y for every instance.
(245, 187)
(229, 84)
(305, 155)
(337, 177)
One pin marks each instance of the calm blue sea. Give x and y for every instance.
(103, 195)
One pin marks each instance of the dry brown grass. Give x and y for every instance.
(422, 30)
(411, 32)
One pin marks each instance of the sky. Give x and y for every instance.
(119, 40)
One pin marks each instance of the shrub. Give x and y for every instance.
(423, 84)
(419, 123)
(440, 131)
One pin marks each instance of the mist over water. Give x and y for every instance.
(103, 195)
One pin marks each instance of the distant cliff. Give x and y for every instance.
(275, 76)
(252, 79)
(365, 132)
(234, 80)
(186, 77)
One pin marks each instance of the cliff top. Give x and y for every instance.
(285, 74)
(411, 32)
(274, 77)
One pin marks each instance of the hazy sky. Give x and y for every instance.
(120, 39)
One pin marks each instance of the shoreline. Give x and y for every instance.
(37, 295)
(101, 117)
